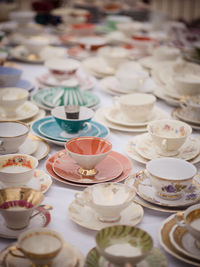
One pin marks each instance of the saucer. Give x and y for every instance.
(103, 132)
(41, 113)
(146, 148)
(67, 168)
(28, 147)
(25, 111)
(124, 161)
(160, 93)
(149, 62)
(41, 220)
(76, 258)
(184, 242)
(42, 149)
(21, 54)
(155, 258)
(187, 116)
(164, 239)
(194, 126)
(147, 192)
(86, 217)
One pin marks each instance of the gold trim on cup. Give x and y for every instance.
(26, 125)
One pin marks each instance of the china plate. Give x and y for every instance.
(66, 168)
(25, 111)
(155, 258)
(164, 239)
(86, 217)
(146, 191)
(124, 161)
(184, 242)
(41, 113)
(159, 93)
(146, 148)
(62, 259)
(43, 147)
(186, 116)
(41, 220)
(103, 132)
(194, 126)
(28, 147)
(149, 62)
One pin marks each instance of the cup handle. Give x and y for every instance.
(88, 125)
(183, 105)
(140, 176)
(42, 210)
(179, 218)
(164, 144)
(1, 142)
(79, 199)
(15, 248)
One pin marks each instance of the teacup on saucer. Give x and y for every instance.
(35, 44)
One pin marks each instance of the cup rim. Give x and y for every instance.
(18, 122)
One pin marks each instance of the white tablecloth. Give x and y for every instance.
(60, 195)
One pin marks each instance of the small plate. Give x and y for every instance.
(67, 168)
(164, 239)
(184, 242)
(124, 161)
(146, 148)
(21, 54)
(25, 111)
(28, 147)
(194, 126)
(155, 258)
(41, 220)
(147, 192)
(86, 217)
(186, 115)
(43, 147)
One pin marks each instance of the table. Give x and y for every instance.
(60, 195)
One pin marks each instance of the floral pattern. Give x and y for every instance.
(18, 160)
(173, 188)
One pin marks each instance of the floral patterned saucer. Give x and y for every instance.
(146, 191)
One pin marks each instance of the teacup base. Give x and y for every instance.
(167, 153)
(169, 197)
(109, 220)
(85, 172)
(16, 228)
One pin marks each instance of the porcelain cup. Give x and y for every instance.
(91, 43)
(108, 200)
(190, 219)
(12, 135)
(40, 246)
(136, 107)
(35, 44)
(170, 177)
(168, 135)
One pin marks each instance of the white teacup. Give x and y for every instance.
(170, 177)
(136, 107)
(36, 43)
(168, 135)
(190, 219)
(40, 246)
(108, 199)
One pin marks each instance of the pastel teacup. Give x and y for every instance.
(170, 177)
(108, 200)
(136, 107)
(168, 135)
(17, 169)
(40, 246)
(88, 152)
(70, 125)
(12, 135)
(190, 219)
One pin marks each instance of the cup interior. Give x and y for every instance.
(12, 94)
(13, 129)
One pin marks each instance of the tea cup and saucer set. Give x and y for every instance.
(130, 113)
(86, 161)
(41, 247)
(116, 246)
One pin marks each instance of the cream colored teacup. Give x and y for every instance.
(108, 200)
(136, 107)
(168, 135)
(40, 246)
(170, 177)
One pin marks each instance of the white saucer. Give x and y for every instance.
(42, 149)
(83, 215)
(147, 192)
(159, 93)
(187, 116)
(146, 148)
(28, 147)
(25, 111)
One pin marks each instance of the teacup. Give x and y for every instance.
(12, 135)
(73, 126)
(136, 107)
(144, 43)
(40, 246)
(17, 169)
(170, 177)
(9, 76)
(11, 98)
(124, 244)
(168, 135)
(108, 200)
(35, 44)
(166, 53)
(17, 205)
(92, 43)
(190, 219)
(88, 152)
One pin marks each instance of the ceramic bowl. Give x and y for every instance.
(9, 76)
(62, 69)
(108, 199)
(35, 44)
(17, 169)
(17, 205)
(22, 17)
(121, 244)
(168, 135)
(92, 43)
(12, 135)
(88, 152)
(72, 125)
(170, 177)
(11, 98)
